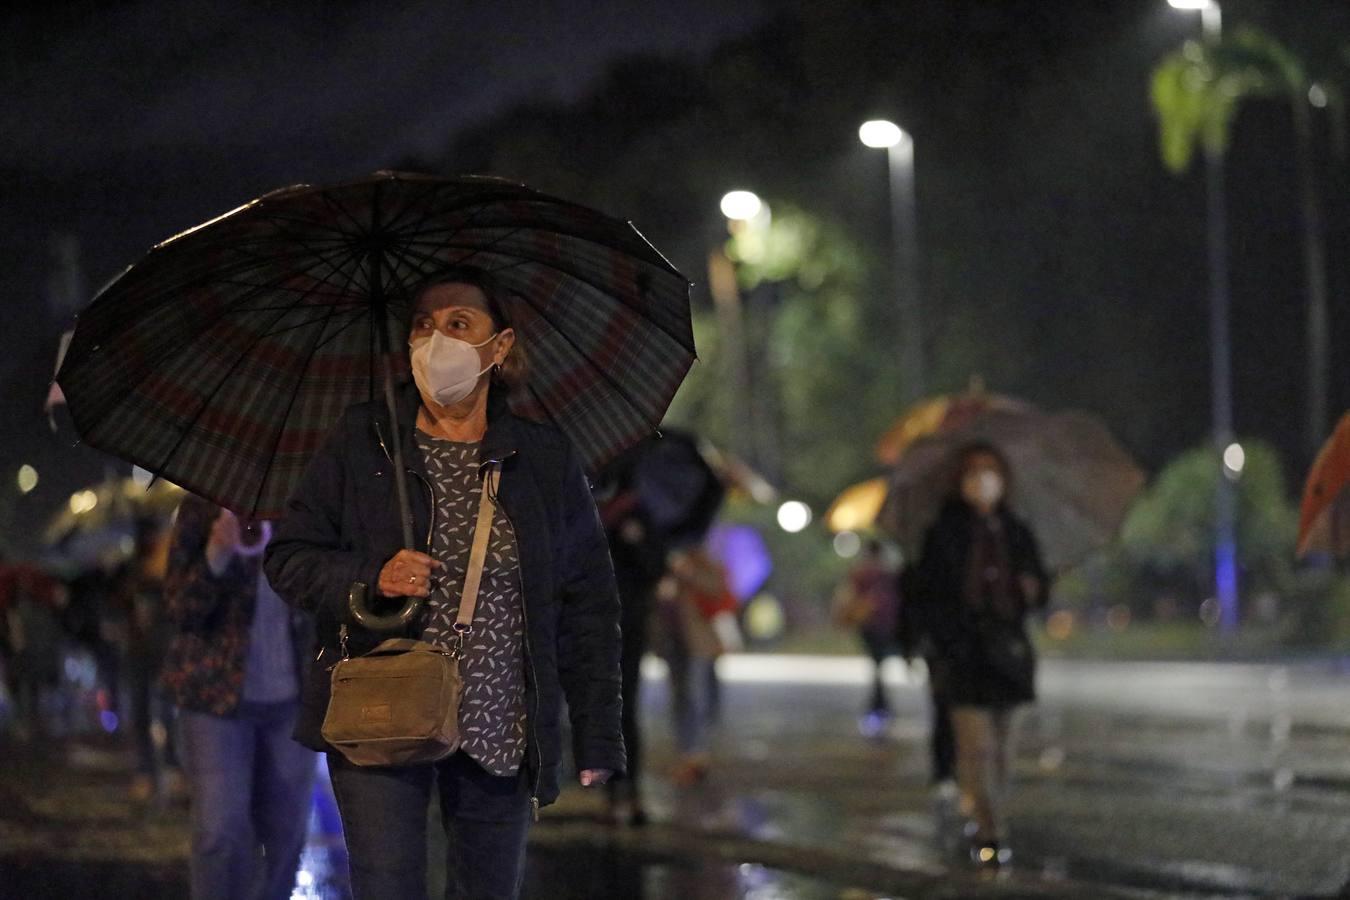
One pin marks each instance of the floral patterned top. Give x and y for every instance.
(492, 710)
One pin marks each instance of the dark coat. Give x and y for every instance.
(342, 525)
(212, 616)
(976, 657)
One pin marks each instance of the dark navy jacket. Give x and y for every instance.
(342, 525)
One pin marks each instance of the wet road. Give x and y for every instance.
(1163, 779)
(1132, 780)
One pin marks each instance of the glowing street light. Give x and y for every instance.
(1211, 17)
(1234, 460)
(880, 134)
(741, 206)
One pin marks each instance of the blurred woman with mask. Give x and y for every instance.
(979, 576)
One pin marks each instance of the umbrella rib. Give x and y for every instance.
(295, 392)
(572, 273)
(622, 236)
(404, 252)
(618, 388)
(201, 408)
(642, 248)
(352, 319)
(178, 349)
(423, 212)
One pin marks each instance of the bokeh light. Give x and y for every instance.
(794, 516)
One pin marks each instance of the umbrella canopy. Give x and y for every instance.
(1070, 479)
(678, 487)
(221, 359)
(1324, 517)
(98, 525)
(857, 506)
(946, 413)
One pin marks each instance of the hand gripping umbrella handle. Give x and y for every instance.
(357, 605)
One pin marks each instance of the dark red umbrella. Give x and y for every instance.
(221, 359)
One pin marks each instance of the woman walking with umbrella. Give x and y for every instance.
(547, 615)
(979, 575)
(229, 360)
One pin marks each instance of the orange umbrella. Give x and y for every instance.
(857, 506)
(940, 415)
(1324, 519)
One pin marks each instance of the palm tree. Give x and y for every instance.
(1197, 91)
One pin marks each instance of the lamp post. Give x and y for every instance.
(739, 207)
(1221, 365)
(899, 147)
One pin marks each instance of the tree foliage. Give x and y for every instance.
(1168, 539)
(1198, 89)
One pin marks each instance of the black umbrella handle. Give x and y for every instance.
(358, 606)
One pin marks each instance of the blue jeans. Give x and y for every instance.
(384, 817)
(250, 800)
(691, 680)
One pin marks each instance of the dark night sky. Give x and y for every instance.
(125, 124)
(122, 126)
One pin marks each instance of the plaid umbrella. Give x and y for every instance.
(221, 359)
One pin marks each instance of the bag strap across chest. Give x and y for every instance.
(473, 577)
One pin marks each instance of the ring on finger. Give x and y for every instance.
(412, 579)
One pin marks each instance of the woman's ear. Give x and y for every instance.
(505, 341)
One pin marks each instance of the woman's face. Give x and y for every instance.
(982, 481)
(460, 311)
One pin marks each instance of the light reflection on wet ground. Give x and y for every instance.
(1237, 783)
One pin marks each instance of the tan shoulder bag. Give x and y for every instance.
(398, 705)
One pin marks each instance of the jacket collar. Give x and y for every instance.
(501, 441)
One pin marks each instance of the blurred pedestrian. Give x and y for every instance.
(35, 640)
(868, 600)
(979, 576)
(914, 642)
(638, 551)
(139, 593)
(546, 624)
(695, 623)
(233, 668)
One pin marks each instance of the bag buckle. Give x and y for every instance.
(462, 630)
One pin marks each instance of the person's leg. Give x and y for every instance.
(218, 759)
(486, 821)
(974, 765)
(943, 738)
(384, 819)
(681, 703)
(139, 682)
(283, 778)
(1005, 746)
(877, 651)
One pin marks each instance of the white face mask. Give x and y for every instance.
(446, 369)
(983, 489)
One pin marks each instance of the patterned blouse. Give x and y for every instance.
(492, 710)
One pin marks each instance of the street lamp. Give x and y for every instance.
(740, 207)
(1221, 365)
(899, 147)
(1211, 17)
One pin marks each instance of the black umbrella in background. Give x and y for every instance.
(679, 489)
